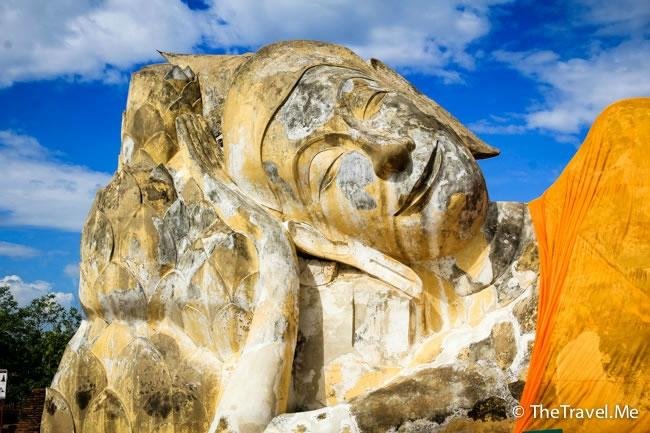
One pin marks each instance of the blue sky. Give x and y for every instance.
(528, 77)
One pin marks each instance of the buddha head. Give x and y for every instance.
(319, 136)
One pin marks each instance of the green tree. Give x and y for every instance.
(32, 341)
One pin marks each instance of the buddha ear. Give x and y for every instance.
(478, 148)
(306, 238)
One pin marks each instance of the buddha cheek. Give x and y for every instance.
(419, 235)
(353, 204)
(452, 217)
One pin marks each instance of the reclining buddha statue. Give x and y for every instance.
(297, 240)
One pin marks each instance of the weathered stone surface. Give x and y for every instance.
(57, 416)
(503, 340)
(296, 240)
(526, 313)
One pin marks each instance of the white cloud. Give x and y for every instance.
(24, 292)
(9, 249)
(40, 191)
(89, 38)
(22, 145)
(620, 17)
(411, 33)
(99, 39)
(72, 270)
(575, 90)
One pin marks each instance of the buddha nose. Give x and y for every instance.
(389, 157)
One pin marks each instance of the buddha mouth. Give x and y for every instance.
(429, 176)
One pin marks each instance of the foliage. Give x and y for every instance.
(32, 341)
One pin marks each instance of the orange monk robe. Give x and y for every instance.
(593, 228)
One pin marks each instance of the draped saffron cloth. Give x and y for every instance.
(593, 334)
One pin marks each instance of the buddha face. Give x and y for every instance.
(350, 154)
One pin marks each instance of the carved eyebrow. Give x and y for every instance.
(367, 99)
(364, 79)
(306, 155)
(351, 79)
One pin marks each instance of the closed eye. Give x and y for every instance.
(373, 105)
(329, 176)
(364, 99)
(323, 169)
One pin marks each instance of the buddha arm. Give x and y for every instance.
(261, 373)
